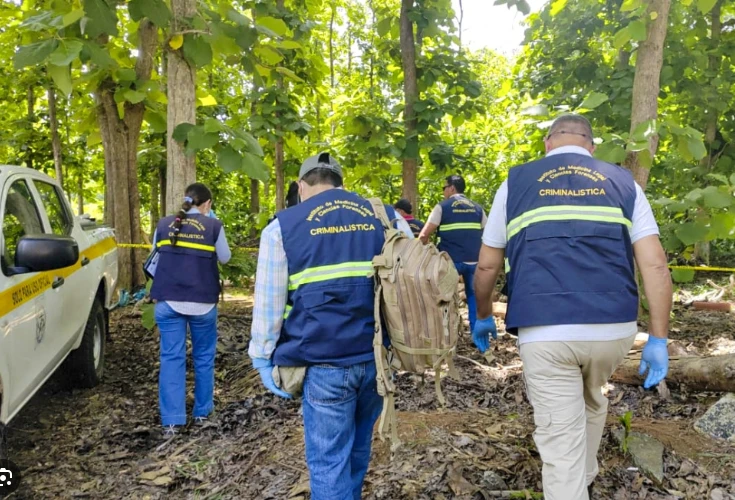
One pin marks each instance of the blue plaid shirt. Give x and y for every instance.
(271, 289)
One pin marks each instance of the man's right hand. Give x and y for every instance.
(265, 370)
(655, 359)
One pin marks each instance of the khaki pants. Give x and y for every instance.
(564, 382)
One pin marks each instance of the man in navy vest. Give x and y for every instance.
(403, 207)
(314, 307)
(460, 222)
(571, 228)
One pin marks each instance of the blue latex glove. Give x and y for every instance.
(655, 359)
(481, 333)
(265, 369)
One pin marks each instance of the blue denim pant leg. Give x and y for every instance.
(203, 347)
(172, 375)
(340, 406)
(467, 271)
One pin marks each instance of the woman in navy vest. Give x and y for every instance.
(186, 288)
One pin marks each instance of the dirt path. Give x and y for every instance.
(104, 443)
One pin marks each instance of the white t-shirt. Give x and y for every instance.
(644, 224)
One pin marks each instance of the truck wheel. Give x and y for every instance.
(86, 364)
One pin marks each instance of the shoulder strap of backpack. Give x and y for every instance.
(380, 213)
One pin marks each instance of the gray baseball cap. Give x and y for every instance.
(322, 160)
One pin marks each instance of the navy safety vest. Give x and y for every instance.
(461, 229)
(569, 254)
(187, 271)
(416, 226)
(330, 241)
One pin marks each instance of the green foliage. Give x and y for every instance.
(626, 421)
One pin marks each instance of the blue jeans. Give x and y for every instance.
(340, 405)
(172, 377)
(467, 271)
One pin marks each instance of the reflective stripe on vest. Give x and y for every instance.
(567, 212)
(184, 244)
(288, 310)
(324, 273)
(460, 225)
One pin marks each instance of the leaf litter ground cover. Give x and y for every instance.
(105, 442)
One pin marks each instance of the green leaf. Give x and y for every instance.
(621, 38)
(644, 159)
(719, 177)
(148, 319)
(41, 22)
(715, 198)
(732, 180)
(593, 100)
(722, 225)
(557, 7)
(691, 232)
(207, 100)
(290, 74)
(66, 52)
(181, 132)
(629, 5)
(103, 19)
(72, 17)
(134, 96)
(197, 51)
(610, 152)
(97, 55)
(289, 44)
(253, 144)
(637, 30)
(268, 54)
(198, 139)
(156, 120)
(384, 26)
(212, 125)
(277, 26)
(229, 159)
(254, 167)
(61, 75)
(155, 10)
(34, 53)
(682, 275)
(696, 147)
(705, 6)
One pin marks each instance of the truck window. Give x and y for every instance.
(21, 219)
(58, 214)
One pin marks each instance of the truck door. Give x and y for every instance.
(23, 311)
(74, 298)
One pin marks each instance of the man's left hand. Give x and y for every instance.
(482, 331)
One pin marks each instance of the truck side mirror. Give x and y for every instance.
(44, 252)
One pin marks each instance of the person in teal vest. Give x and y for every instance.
(572, 229)
(460, 222)
(193, 241)
(314, 308)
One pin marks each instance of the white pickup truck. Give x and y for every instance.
(56, 289)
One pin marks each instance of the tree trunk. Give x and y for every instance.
(120, 141)
(254, 203)
(155, 197)
(80, 190)
(31, 97)
(181, 90)
(55, 139)
(715, 373)
(646, 86)
(410, 90)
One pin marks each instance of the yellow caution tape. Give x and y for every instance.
(705, 268)
(134, 245)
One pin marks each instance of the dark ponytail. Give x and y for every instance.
(196, 194)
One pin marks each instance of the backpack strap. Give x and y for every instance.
(380, 212)
(386, 388)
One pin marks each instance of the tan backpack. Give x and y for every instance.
(416, 295)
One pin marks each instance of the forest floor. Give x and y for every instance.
(105, 442)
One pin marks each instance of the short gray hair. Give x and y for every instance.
(571, 123)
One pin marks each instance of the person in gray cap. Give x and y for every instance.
(314, 308)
